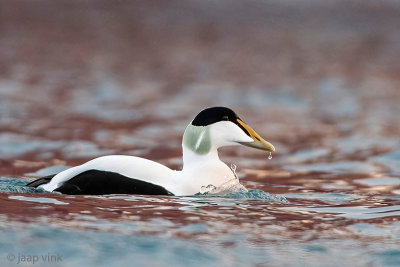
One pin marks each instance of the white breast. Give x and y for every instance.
(194, 177)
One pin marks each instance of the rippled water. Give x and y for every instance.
(318, 80)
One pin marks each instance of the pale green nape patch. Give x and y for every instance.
(197, 139)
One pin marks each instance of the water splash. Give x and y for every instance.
(231, 186)
(207, 189)
(233, 168)
(256, 194)
(233, 189)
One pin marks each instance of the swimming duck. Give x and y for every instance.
(211, 129)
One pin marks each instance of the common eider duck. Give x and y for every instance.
(211, 129)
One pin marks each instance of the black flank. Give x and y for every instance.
(94, 182)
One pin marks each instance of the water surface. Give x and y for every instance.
(318, 80)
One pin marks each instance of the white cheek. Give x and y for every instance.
(228, 133)
(242, 137)
(245, 138)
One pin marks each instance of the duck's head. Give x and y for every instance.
(220, 126)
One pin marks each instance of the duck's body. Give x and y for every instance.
(118, 174)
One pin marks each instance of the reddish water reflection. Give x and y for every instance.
(319, 80)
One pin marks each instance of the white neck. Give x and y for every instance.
(201, 170)
(192, 159)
